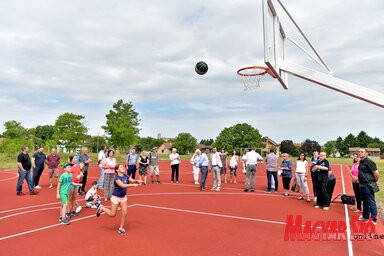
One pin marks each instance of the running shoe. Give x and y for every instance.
(362, 218)
(121, 231)
(99, 210)
(78, 209)
(65, 222)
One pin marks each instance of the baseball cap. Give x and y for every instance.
(66, 164)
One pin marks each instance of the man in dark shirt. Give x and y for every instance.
(24, 170)
(84, 158)
(38, 161)
(368, 174)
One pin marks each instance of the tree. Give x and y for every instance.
(185, 143)
(362, 139)
(340, 146)
(287, 146)
(148, 143)
(350, 141)
(237, 137)
(122, 125)
(330, 147)
(309, 145)
(207, 142)
(70, 130)
(44, 132)
(14, 129)
(94, 143)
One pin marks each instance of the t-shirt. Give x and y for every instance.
(252, 157)
(322, 175)
(174, 158)
(53, 161)
(25, 161)
(111, 164)
(366, 169)
(84, 158)
(271, 161)
(233, 162)
(153, 159)
(90, 193)
(66, 181)
(100, 158)
(117, 190)
(39, 159)
(287, 173)
(75, 173)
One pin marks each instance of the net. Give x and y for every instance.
(251, 76)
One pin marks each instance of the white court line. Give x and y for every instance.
(349, 242)
(21, 213)
(212, 214)
(14, 177)
(50, 226)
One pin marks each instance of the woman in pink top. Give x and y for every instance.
(109, 165)
(355, 182)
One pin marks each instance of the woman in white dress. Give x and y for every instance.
(233, 167)
(302, 170)
(195, 164)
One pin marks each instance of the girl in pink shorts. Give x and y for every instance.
(119, 197)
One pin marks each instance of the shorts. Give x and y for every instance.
(154, 169)
(53, 172)
(64, 198)
(74, 187)
(118, 200)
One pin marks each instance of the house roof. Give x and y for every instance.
(266, 138)
(368, 149)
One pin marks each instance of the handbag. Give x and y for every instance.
(372, 184)
(346, 199)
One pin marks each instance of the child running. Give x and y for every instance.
(91, 197)
(63, 189)
(119, 193)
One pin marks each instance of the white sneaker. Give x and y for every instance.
(218, 189)
(197, 183)
(213, 188)
(50, 186)
(37, 186)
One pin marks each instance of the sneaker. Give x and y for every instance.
(34, 193)
(158, 182)
(171, 181)
(93, 206)
(60, 219)
(246, 190)
(37, 187)
(316, 206)
(218, 189)
(50, 186)
(177, 182)
(362, 218)
(121, 231)
(326, 208)
(308, 200)
(99, 210)
(268, 191)
(235, 182)
(300, 198)
(74, 213)
(374, 222)
(357, 211)
(78, 209)
(97, 203)
(197, 183)
(19, 193)
(68, 215)
(213, 188)
(65, 222)
(252, 190)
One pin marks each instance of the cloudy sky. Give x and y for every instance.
(82, 56)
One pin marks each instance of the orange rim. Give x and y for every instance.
(264, 70)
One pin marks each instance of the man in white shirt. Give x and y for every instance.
(252, 158)
(216, 165)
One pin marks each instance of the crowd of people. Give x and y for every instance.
(115, 178)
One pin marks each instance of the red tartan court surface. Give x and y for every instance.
(174, 219)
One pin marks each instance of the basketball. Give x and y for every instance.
(201, 68)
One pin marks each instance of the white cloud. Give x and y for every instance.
(81, 56)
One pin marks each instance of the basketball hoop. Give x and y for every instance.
(252, 76)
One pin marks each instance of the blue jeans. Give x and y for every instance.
(269, 176)
(369, 203)
(100, 182)
(204, 174)
(24, 175)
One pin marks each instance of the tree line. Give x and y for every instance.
(122, 129)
